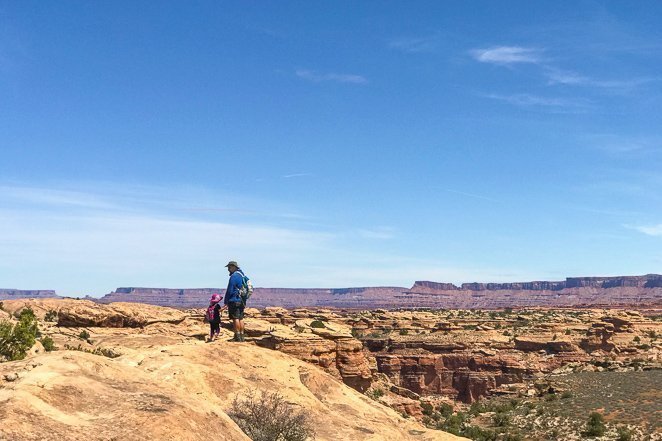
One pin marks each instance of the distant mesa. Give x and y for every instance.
(621, 291)
(647, 281)
(9, 294)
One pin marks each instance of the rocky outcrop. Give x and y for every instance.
(164, 385)
(338, 353)
(83, 313)
(463, 375)
(529, 344)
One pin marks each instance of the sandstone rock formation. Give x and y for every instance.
(165, 383)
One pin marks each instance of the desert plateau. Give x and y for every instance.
(137, 372)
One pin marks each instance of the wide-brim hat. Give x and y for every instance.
(232, 263)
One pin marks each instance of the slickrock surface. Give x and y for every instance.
(166, 383)
(623, 291)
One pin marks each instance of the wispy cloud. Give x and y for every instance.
(319, 77)
(619, 145)
(296, 175)
(471, 195)
(650, 230)
(554, 104)
(382, 233)
(570, 78)
(414, 44)
(507, 55)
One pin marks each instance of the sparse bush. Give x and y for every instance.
(568, 331)
(427, 408)
(96, 351)
(595, 425)
(356, 333)
(623, 434)
(501, 419)
(266, 416)
(17, 339)
(375, 393)
(636, 339)
(565, 395)
(48, 344)
(445, 410)
(84, 335)
(51, 316)
(404, 332)
(2, 306)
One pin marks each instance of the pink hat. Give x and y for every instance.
(215, 298)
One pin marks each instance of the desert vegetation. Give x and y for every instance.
(266, 416)
(17, 338)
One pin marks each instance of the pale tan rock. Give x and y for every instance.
(174, 388)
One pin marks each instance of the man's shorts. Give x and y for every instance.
(236, 310)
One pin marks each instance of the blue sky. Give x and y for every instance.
(327, 144)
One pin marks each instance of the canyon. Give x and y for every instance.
(409, 361)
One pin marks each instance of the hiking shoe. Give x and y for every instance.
(235, 338)
(241, 337)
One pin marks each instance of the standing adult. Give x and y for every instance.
(233, 300)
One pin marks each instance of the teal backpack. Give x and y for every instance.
(246, 290)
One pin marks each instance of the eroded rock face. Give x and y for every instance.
(343, 357)
(464, 375)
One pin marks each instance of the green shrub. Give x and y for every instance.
(501, 419)
(427, 408)
(404, 332)
(595, 425)
(636, 339)
(568, 331)
(17, 339)
(565, 395)
(51, 316)
(623, 434)
(445, 410)
(48, 344)
(84, 335)
(317, 324)
(375, 393)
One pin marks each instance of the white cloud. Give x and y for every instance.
(296, 175)
(652, 230)
(506, 55)
(554, 104)
(570, 78)
(339, 78)
(382, 233)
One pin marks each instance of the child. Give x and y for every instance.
(213, 316)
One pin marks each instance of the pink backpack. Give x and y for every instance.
(212, 305)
